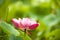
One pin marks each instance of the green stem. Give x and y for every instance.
(25, 34)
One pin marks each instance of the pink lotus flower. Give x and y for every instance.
(25, 23)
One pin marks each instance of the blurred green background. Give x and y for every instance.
(46, 12)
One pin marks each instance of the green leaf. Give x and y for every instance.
(7, 28)
(55, 33)
(12, 37)
(58, 13)
(50, 20)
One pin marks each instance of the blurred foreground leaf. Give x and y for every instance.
(12, 37)
(7, 28)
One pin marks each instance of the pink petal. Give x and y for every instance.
(16, 22)
(34, 26)
(25, 22)
(21, 27)
(33, 22)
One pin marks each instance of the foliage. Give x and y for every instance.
(46, 12)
